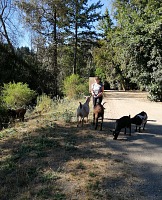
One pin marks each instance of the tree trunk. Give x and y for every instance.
(55, 68)
(75, 49)
(5, 34)
(76, 41)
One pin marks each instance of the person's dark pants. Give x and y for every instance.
(97, 100)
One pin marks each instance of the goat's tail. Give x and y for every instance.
(80, 105)
(104, 103)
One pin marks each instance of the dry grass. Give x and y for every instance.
(47, 159)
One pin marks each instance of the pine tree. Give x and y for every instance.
(105, 24)
(47, 18)
(82, 18)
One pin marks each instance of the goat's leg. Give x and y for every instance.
(116, 133)
(144, 126)
(93, 119)
(130, 130)
(23, 118)
(125, 130)
(82, 121)
(96, 124)
(77, 121)
(101, 124)
(87, 120)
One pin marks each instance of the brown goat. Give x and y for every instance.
(20, 113)
(17, 114)
(98, 112)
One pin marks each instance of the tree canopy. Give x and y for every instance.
(73, 37)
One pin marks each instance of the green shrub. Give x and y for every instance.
(67, 116)
(82, 89)
(100, 73)
(155, 92)
(75, 87)
(44, 103)
(17, 94)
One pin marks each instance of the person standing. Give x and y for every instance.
(97, 90)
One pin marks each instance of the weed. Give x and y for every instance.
(59, 196)
(80, 166)
(92, 174)
(1, 135)
(8, 165)
(48, 176)
(67, 116)
(45, 193)
(93, 186)
(70, 146)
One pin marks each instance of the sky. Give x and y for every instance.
(26, 41)
(106, 4)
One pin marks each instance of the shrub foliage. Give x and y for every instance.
(17, 94)
(75, 87)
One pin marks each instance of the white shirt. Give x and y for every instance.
(97, 88)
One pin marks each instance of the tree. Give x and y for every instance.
(105, 55)
(105, 24)
(6, 22)
(82, 30)
(140, 26)
(48, 19)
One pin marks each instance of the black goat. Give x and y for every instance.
(140, 120)
(123, 122)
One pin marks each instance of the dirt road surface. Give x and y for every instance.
(142, 150)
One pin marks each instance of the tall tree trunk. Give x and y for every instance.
(75, 48)
(5, 34)
(76, 39)
(55, 68)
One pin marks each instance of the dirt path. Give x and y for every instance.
(142, 150)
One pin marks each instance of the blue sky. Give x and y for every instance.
(25, 41)
(106, 4)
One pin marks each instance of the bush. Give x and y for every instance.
(155, 93)
(100, 73)
(44, 103)
(17, 94)
(75, 87)
(67, 115)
